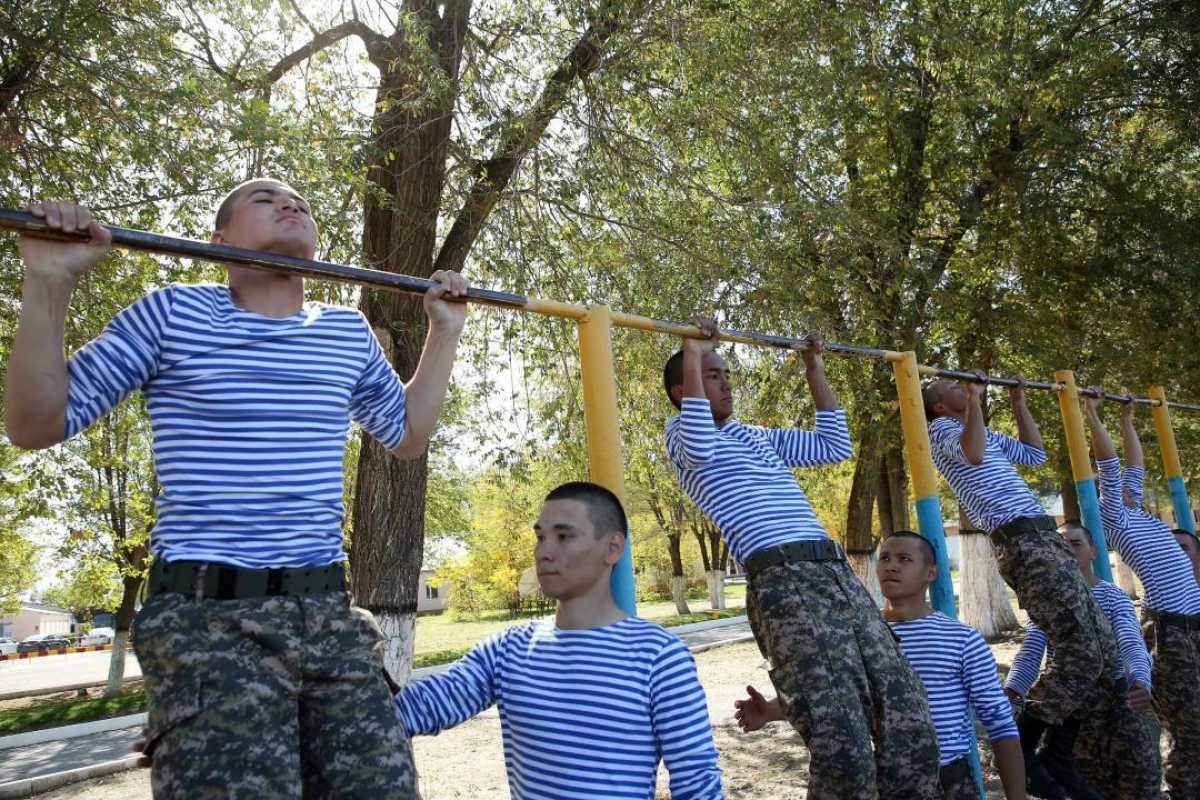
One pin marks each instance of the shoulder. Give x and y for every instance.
(945, 425)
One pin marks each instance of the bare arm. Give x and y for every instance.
(693, 357)
(1134, 457)
(974, 435)
(1102, 444)
(36, 385)
(1011, 766)
(814, 373)
(425, 393)
(1027, 427)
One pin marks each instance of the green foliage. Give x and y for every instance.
(17, 570)
(95, 584)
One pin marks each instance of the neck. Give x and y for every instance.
(1090, 578)
(594, 609)
(906, 609)
(269, 294)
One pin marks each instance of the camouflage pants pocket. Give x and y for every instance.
(791, 698)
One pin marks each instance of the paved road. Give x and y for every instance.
(47, 672)
(49, 757)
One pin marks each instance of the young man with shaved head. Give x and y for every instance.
(591, 701)
(262, 679)
(844, 684)
(1165, 562)
(1118, 744)
(1038, 566)
(957, 670)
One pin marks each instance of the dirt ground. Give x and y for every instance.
(468, 762)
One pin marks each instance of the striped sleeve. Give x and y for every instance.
(378, 402)
(1112, 504)
(945, 439)
(828, 443)
(984, 691)
(1018, 452)
(117, 362)
(1027, 664)
(692, 436)
(679, 715)
(1129, 637)
(431, 705)
(1135, 482)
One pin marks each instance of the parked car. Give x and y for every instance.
(8, 645)
(98, 636)
(40, 642)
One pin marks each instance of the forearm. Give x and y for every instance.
(1027, 428)
(36, 382)
(1134, 457)
(693, 373)
(1011, 766)
(818, 385)
(974, 435)
(1102, 444)
(425, 394)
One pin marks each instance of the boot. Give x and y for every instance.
(1058, 760)
(1038, 782)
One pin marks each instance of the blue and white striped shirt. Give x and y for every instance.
(583, 713)
(250, 416)
(991, 493)
(740, 475)
(959, 674)
(1117, 607)
(1145, 543)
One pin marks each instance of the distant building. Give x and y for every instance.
(435, 599)
(37, 618)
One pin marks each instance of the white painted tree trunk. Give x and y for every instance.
(864, 565)
(679, 595)
(116, 664)
(715, 578)
(1125, 577)
(983, 595)
(399, 632)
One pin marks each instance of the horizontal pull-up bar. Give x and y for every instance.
(143, 241)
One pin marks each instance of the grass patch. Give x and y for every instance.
(52, 713)
(435, 657)
(699, 616)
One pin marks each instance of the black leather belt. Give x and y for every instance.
(953, 772)
(1189, 622)
(814, 550)
(207, 580)
(1022, 525)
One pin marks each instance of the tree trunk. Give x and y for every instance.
(116, 662)
(715, 578)
(1125, 577)
(678, 581)
(983, 595)
(864, 565)
(1070, 496)
(860, 531)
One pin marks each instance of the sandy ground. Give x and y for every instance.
(467, 762)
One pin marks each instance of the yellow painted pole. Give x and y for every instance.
(1171, 465)
(606, 464)
(1081, 470)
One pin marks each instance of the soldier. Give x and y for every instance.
(1118, 746)
(1038, 566)
(262, 679)
(1171, 611)
(956, 667)
(591, 701)
(843, 682)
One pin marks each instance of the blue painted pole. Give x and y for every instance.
(1081, 470)
(1181, 503)
(624, 589)
(1089, 510)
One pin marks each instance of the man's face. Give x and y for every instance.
(571, 560)
(1081, 547)
(1188, 543)
(902, 569)
(270, 217)
(717, 388)
(952, 398)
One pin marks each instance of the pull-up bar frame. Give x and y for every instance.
(606, 464)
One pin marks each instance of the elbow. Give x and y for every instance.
(974, 459)
(28, 438)
(410, 448)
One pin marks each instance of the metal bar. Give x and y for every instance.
(142, 241)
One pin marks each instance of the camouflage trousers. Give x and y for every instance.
(1176, 652)
(1082, 655)
(1118, 753)
(269, 697)
(844, 683)
(957, 782)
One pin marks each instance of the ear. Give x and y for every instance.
(614, 548)
(217, 238)
(677, 394)
(931, 572)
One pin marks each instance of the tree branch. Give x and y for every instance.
(523, 135)
(353, 27)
